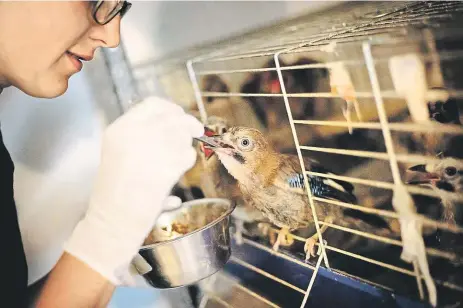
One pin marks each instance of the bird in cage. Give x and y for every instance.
(271, 111)
(428, 100)
(446, 112)
(445, 178)
(216, 182)
(233, 110)
(213, 83)
(274, 184)
(199, 176)
(221, 106)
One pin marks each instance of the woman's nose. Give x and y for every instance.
(109, 35)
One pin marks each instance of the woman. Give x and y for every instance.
(144, 153)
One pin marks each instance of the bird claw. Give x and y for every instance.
(309, 248)
(276, 246)
(287, 240)
(284, 238)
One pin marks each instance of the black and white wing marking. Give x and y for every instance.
(330, 189)
(296, 181)
(293, 180)
(321, 187)
(346, 186)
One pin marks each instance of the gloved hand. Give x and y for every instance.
(144, 153)
(133, 277)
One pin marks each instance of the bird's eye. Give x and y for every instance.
(245, 144)
(450, 171)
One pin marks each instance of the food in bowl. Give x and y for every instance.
(174, 224)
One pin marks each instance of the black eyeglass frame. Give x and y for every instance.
(122, 10)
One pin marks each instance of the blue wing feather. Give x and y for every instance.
(320, 187)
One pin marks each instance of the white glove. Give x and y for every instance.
(133, 277)
(144, 153)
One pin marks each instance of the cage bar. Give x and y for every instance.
(365, 27)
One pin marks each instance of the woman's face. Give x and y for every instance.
(42, 44)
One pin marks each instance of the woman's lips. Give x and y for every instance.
(75, 60)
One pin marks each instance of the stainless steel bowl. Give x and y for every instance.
(190, 257)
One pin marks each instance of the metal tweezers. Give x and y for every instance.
(208, 140)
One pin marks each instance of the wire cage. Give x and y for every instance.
(372, 91)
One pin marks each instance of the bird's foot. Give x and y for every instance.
(284, 242)
(309, 248)
(284, 238)
(287, 240)
(276, 246)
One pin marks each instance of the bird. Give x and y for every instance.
(274, 184)
(446, 179)
(271, 111)
(231, 109)
(213, 83)
(196, 182)
(446, 112)
(216, 182)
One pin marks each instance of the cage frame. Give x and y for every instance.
(392, 20)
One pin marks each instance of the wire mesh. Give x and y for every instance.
(365, 44)
(363, 39)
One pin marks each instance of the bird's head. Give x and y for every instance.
(215, 126)
(268, 81)
(243, 151)
(446, 175)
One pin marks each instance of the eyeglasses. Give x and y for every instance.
(105, 11)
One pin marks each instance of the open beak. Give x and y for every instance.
(208, 152)
(422, 175)
(222, 144)
(207, 143)
(215, 143)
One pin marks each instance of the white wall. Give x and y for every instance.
(154, 29)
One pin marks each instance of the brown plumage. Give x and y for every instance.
(208, 174)
(273, 183)
(216, 182)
